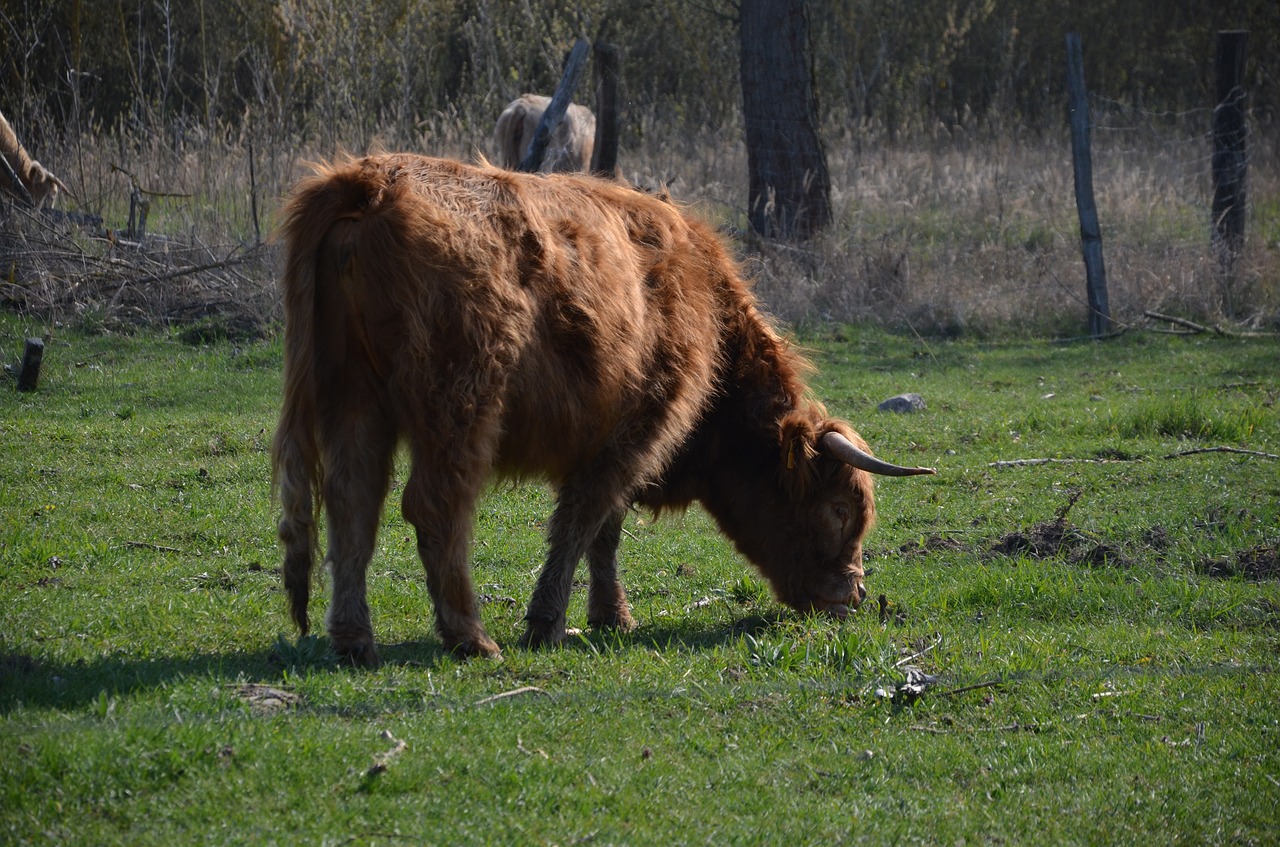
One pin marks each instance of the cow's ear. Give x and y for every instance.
(799, 453)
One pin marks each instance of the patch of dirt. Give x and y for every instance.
(225, 581)
(1059, 539)
(263, 699)
(1102, 555)
(1042, 541)
(932, 544)
(1256, 563)
(1157, 538)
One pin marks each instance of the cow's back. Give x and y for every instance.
(589, 312)
(626, 327)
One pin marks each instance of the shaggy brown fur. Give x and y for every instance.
(41, 185)
(569, 147)
(556, 326)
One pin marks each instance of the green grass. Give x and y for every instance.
(1119, 688)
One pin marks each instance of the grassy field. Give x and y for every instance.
(1081, 650)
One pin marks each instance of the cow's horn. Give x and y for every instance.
(839, 447)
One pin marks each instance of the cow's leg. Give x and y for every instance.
(441, 505)
(358, 449)
(297, 527)
(607, 601)
(581, 515)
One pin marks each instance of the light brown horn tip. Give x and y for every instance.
(899, 470)
(846, 451)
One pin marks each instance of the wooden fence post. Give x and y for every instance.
(557, 107)
(32, 356)
(604, 155)
(1230, 163)
(1090, 231)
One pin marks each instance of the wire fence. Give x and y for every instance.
(956, 229)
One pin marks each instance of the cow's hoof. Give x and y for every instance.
(619, 620)
(475, 646)
(538, 636)
(361, 653)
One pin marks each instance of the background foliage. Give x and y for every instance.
(380, 68)
(944, 123)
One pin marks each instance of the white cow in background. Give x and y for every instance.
(571, 142)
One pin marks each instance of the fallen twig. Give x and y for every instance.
(1222, 450)
(390, 836)
(1019, 463)
(520, 747)
(1183, 322)
(526, 689)
(177, 273)
(1013, 727)
(134, 181)
(146, 545)
(1016, 463)
(1197, 329)
(383, 760)
(918, 655)
(967, 688)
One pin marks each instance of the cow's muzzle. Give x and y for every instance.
(849, 606)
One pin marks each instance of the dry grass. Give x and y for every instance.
(956, 236)
(948, 235)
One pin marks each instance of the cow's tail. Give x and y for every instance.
(296, 463)
(296, 471)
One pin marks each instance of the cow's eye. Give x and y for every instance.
(841, 511)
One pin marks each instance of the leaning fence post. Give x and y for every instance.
(1230, 164)
(557, 107)
(1090, 231)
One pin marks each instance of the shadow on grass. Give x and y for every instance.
(33, 682)
(27, 681)
(672, 635)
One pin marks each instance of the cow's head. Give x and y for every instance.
(43, 185)
(802, 522)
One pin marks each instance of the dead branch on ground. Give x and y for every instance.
(1197, 329)
(1015, 463)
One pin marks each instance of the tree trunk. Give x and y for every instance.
(789, 192)
(1230, 159)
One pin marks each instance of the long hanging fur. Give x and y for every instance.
(554, 326)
